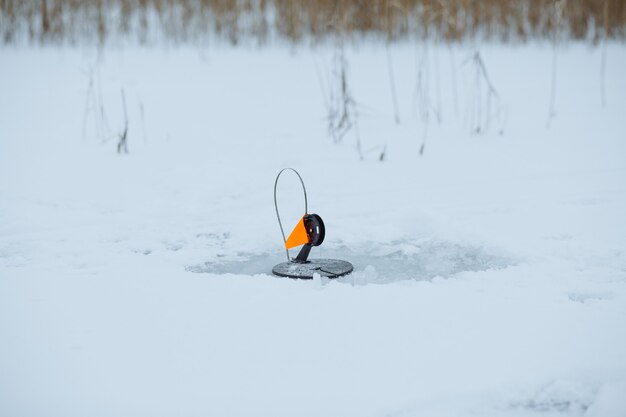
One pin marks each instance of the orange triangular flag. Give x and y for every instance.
(298, 236)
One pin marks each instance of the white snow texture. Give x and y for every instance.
(490, 272)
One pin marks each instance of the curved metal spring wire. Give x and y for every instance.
(276, 204)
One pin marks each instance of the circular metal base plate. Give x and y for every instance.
(330, 268)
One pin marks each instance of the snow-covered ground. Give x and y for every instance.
(490, 273)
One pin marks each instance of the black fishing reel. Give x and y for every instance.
(315, 230)
(310, 231)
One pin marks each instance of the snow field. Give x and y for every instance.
(489, 274)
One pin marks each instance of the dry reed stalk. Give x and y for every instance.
(484, 103)
(122, 144)
(298, 20)
(603, 59)
(559, 6)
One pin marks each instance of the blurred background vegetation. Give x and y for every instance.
(234, 21)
